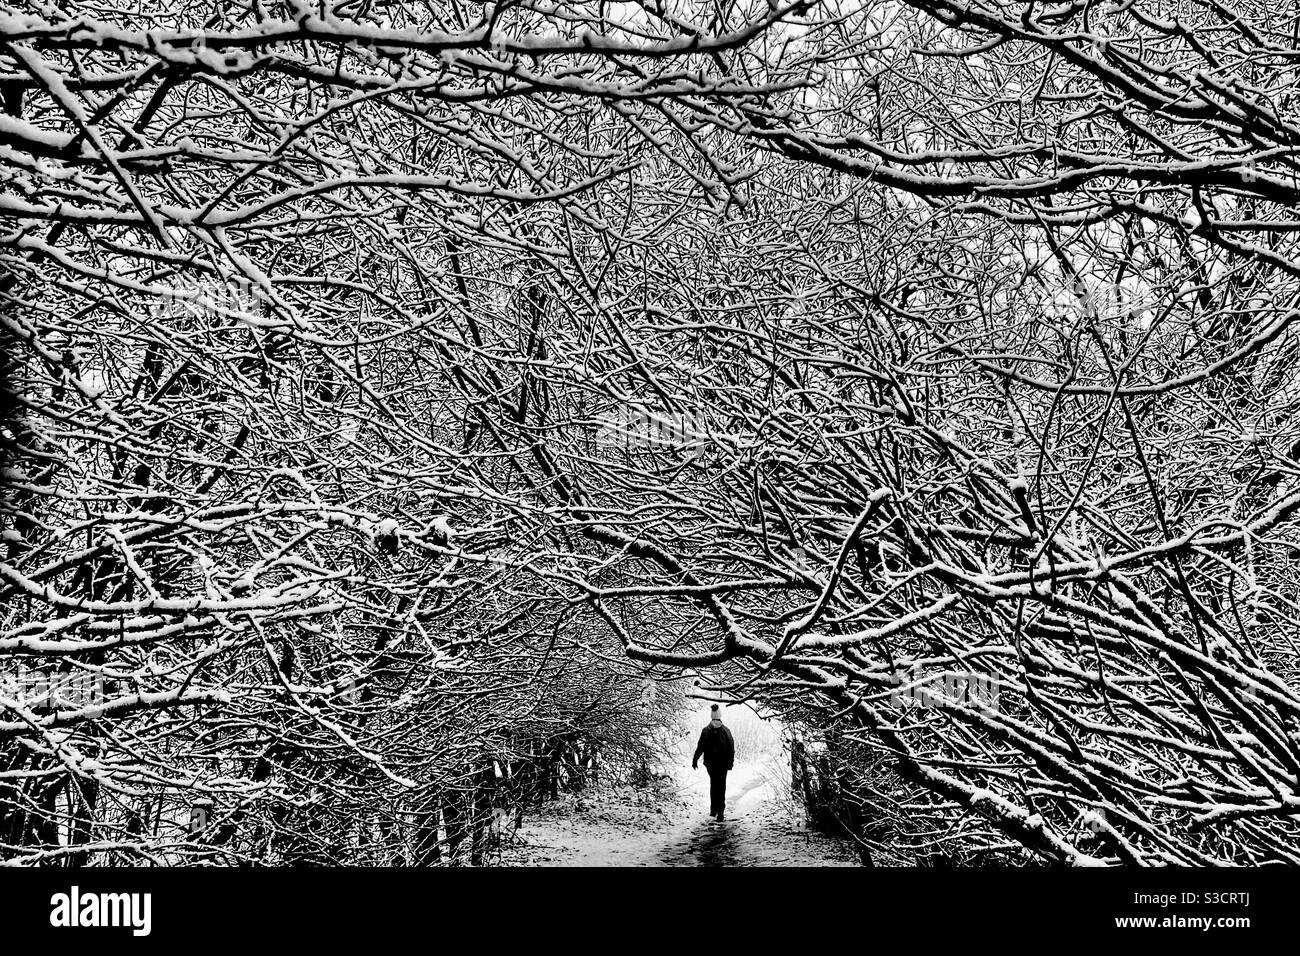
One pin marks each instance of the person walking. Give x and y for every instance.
(718, 749)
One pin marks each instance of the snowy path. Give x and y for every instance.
(627, 827)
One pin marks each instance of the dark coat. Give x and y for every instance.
(717, 748)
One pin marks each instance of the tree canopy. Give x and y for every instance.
(391, 389)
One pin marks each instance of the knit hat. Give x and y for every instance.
(715, 713)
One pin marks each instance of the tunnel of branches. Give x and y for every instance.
(407, 407)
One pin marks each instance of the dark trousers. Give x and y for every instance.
(717, 790)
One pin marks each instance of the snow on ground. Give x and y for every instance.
(666, 824)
